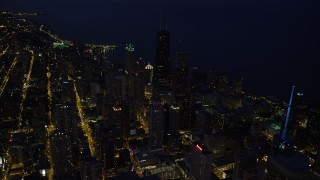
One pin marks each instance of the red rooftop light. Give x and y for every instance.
(199, 148)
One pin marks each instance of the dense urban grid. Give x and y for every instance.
(69, 111)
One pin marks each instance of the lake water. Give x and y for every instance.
(274, 44)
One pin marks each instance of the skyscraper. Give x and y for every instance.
(156, 125)
(174, 119)
(60, 145)
(148, 73)
(134, 73)
(104, 146)
(91, 169)
(130, 59)
(130, 67)
(162, 67)
(200, 162)
(182, 73)
(182, 86)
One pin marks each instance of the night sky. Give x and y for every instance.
(274, 44)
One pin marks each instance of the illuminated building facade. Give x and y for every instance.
(148, 73)
(148, 79)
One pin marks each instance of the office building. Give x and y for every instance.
(156, 125)
(130, 59)
(200, 162)
(204, 121)
(174, 119)
(182, 73)
(61, 153)
(148, 73)
(162, 68)
(91, 169)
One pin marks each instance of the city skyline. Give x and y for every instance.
(271, 44)
(90, 99)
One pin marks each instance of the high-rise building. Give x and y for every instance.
(244, 166)
(139, 79)
(91, 169)
(148, 79)
(221, 145)
(182, 73)
(135, 73)
(104, 146)
(162, 67)
(148, 73)
(60, 145)
(200, 162)
(182, 86)
(130, 67)
(156, 126)
(119, 87)
(130, 58)
(313, 127)
(174, 119)
(117, 122)
(204, 121)
(211, 78)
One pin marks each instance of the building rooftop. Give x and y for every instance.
(293, 165)
(149, 155)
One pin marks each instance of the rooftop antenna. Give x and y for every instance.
(284, 132)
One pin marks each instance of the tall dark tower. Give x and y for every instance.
(181, 87)
(156, 125)
(162, 67)
(181, 84)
